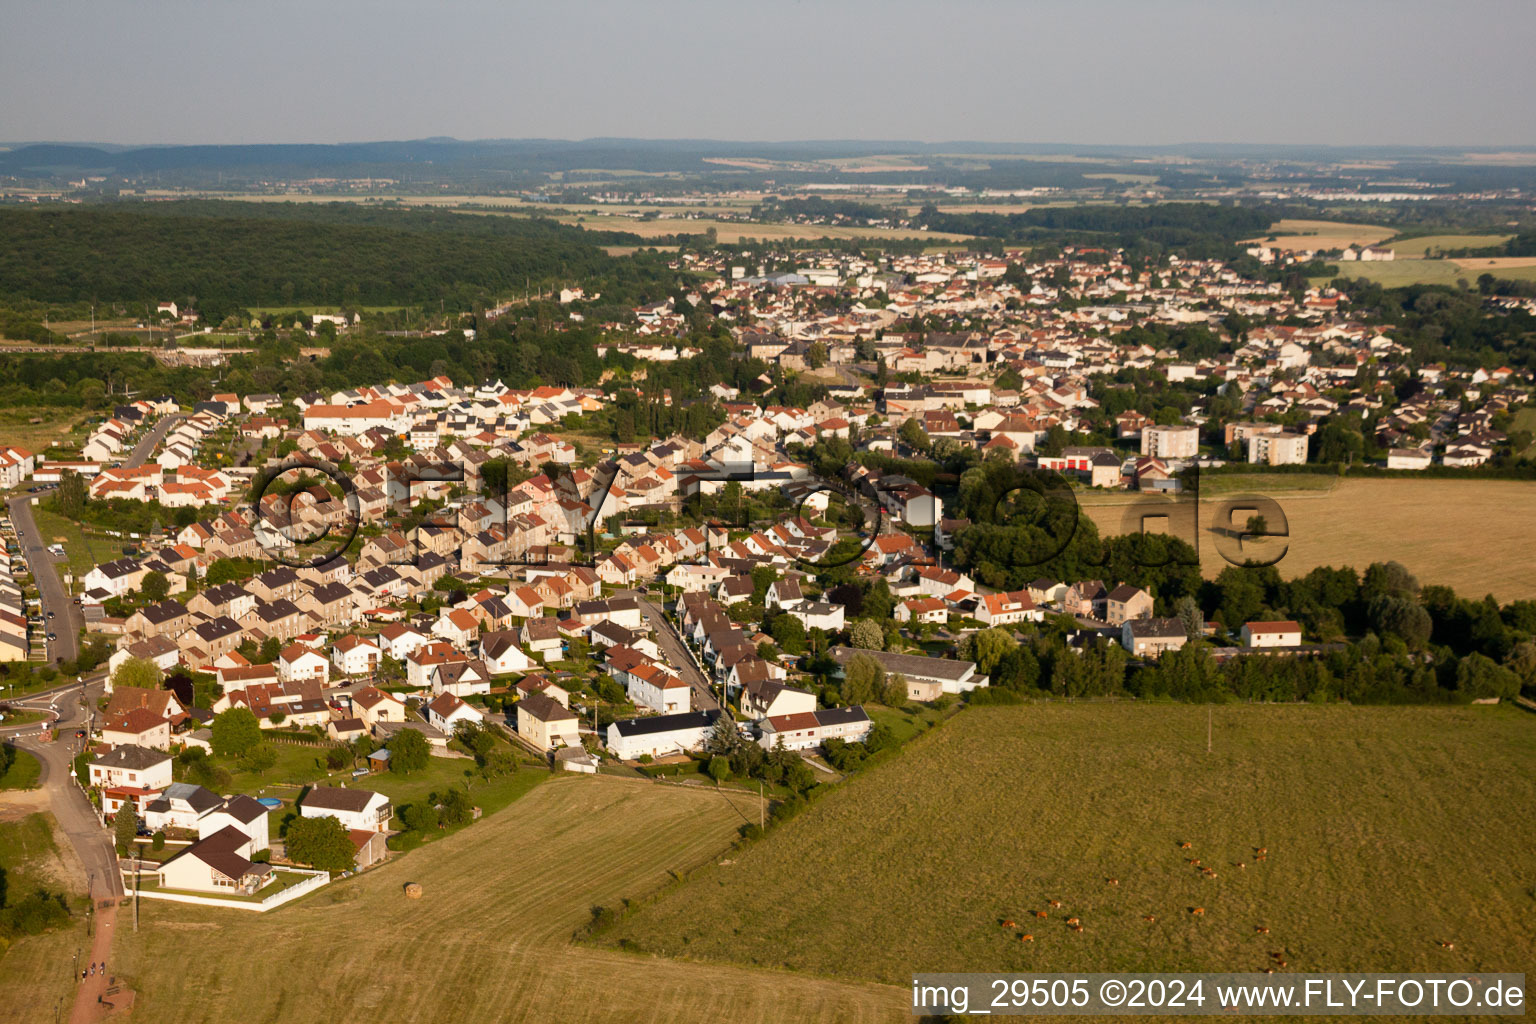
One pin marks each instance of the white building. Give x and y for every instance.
(1278, 449)
(1272, 634)
(354, 808)
(1176, 442)
(811, 729)
(660, 735)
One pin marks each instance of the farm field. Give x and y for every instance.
(1417, 247)
(734, 231)
(1460, 533)
(490, 939)
(1321, 234)
(1367, 815)
(1401, 272)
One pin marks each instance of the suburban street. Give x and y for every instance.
(67, 619)
(146, 446)
(677, 653)
(76, 817)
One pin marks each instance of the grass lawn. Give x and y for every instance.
(492, 930)
(35, 971)
(906, 722)
(1399, 273)
(1524, 419)
(85, 551)
(296, 766)
(1371, 818)
(1443, 530)
(24, 771)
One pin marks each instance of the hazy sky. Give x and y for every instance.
(1115, 71)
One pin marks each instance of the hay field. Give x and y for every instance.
(734, 231)
(490, 939)
(1321, 234)
(1474, 535)
(1387, 829)
(1417, 247)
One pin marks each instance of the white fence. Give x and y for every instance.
(315, 880)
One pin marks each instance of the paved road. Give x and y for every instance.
(146, 446)
(678, 654)
(75, 815)
(68, 619)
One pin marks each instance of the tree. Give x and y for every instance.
(235, 731)
(867, 634)
(895, 695)
(913, 435)
(1257, 526)
(719, 768)
(140, 673)
(408, 752)
(989, 647)
(725, 736)
(789, 633)
(125, 826)
(863, 679)
(71, 496)
(320, 842)
(1479, 677)
(257, 759)
(1190, 617)
(155, 586)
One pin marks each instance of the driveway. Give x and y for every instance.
(677, 653)
(68, 620)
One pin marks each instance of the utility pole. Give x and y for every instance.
(1207, 728)
(762, 812)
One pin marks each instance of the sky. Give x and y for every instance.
(1128, 72)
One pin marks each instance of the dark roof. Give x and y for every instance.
(663, 723)
(841, 716)
(163, 611)
(244, 808)
(133, 757)
(543, 708)
(910, 665)
(333, 798)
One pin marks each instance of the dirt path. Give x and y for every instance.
(91, 997)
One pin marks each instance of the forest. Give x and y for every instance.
(223, 257)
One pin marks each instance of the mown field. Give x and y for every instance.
(1388, 830)
(1321, 234)
(1417, 247)
(490, 939)
(1473, 535)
